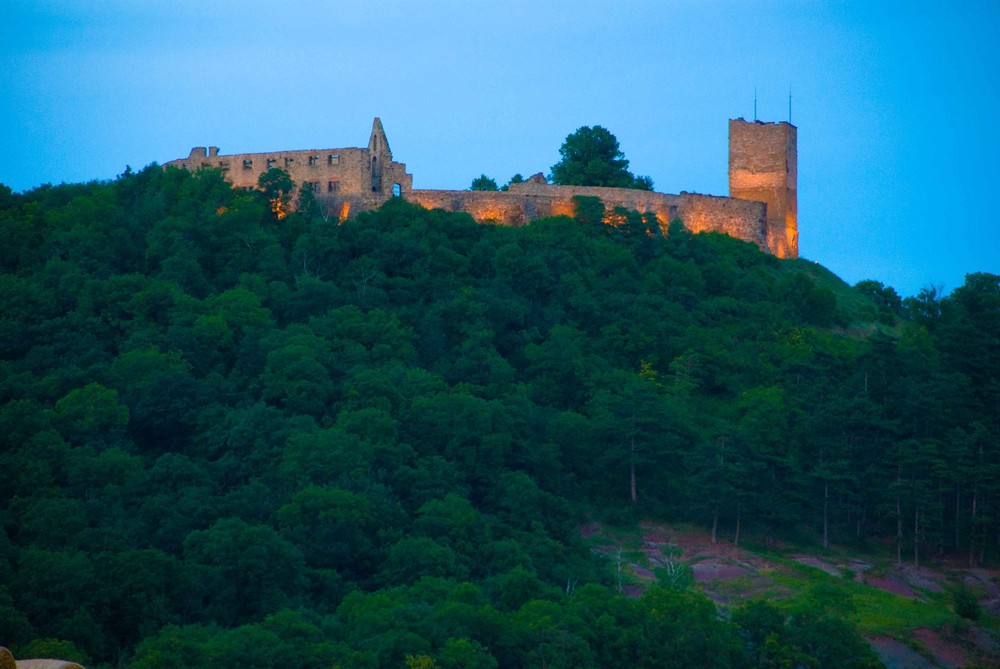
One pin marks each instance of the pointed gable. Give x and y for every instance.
(377, 143)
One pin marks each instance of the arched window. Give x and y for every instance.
(395, 190)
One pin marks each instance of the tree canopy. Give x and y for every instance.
(591, 157)
(483, 182)
(229, 438)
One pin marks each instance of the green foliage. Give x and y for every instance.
(276, 188)
(965, 602)
(483, 182)
(64, 650)
(91, 412)
(887, 306)
(225, 440)
(813, 635)
(591, 157)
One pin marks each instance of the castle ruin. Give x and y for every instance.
(761, 207)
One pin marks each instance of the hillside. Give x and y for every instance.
(229, 438)
(942, 615)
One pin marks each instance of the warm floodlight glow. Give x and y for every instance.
(280, 208)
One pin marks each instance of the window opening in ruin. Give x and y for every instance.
(395, 190)
(288, 162)
(248, 163)
(376, 176)
(313, 160)
(333, 159)
(271, 162)
(332, 186)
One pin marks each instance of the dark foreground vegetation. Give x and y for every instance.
(229, 440)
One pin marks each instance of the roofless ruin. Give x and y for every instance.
(761, 207)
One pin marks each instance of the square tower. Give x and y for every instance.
(763, 166)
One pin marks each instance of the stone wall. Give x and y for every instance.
(763, 166)
(344, 181)
(533, 199)
(762, 208)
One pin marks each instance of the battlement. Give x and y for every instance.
(761, 208)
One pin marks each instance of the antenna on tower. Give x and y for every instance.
(789, 103)
(754, 103)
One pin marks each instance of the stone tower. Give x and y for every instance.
(763, 166)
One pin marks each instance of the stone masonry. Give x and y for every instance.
(761, 208)
(763, 166)
(344, 181)
(535, 199)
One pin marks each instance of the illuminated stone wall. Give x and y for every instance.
(763, 166)
(762, 185)
(534, 199)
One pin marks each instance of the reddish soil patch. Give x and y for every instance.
(946, 653)
(691, 543)
(589, 529)
(890, 584)
(897, 655)
(642, 572)
(985, 581)
(908, 581)
(633, 591)
(715, 570)
(729, 574)
(818, 563)
(920, 577)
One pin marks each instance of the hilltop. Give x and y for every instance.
(233, 437)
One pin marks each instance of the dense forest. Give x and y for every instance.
(232, 436)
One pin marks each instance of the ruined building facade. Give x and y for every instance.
(761, 208)
(344, 181)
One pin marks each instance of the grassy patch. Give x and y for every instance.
(876, 611)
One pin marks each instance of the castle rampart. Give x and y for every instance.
(761, 209)
(533, 199)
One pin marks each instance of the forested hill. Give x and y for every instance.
(229, 440)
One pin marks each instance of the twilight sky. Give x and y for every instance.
(896, 103)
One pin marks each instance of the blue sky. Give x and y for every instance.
(896, 103)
